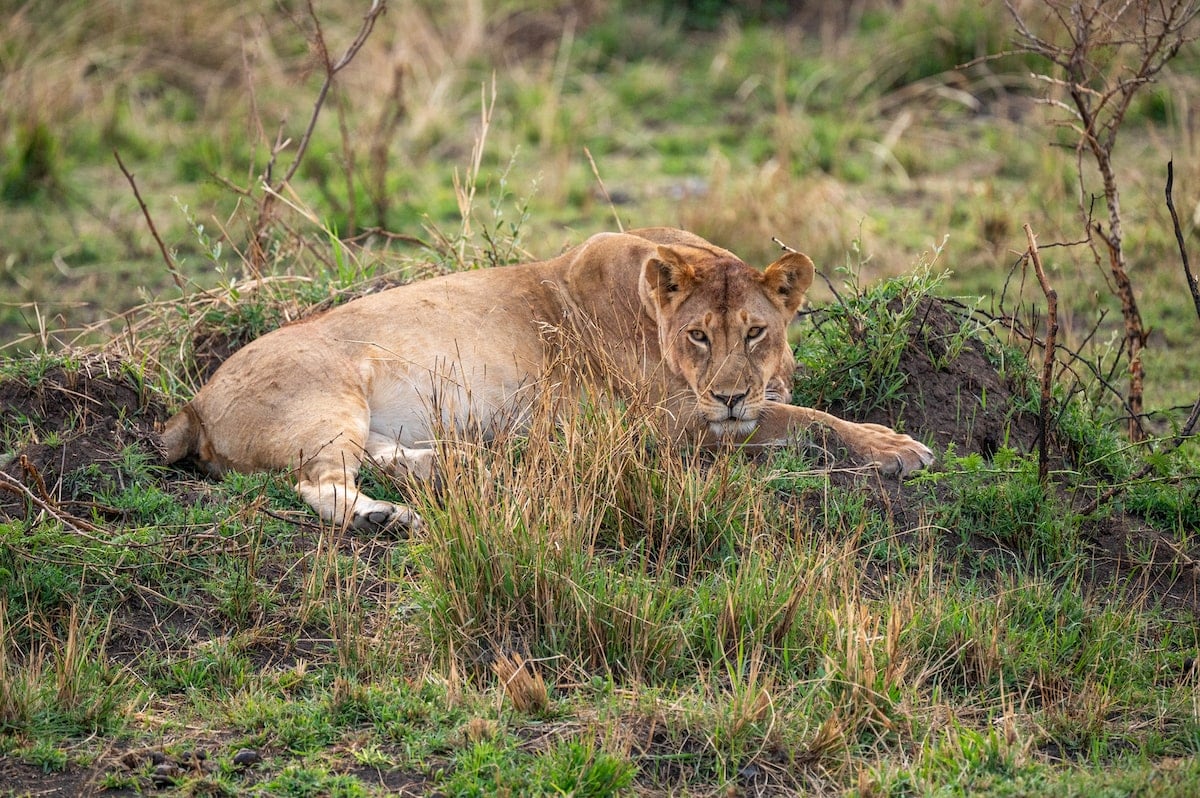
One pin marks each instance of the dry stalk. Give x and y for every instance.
(1047, 357)
(522, 682)
(604, 189)
(465, 188)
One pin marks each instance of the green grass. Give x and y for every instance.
(691, 624)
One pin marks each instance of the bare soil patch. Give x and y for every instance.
(75, 417)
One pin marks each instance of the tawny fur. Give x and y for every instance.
(657, 315)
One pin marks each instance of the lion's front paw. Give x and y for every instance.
(893, 452)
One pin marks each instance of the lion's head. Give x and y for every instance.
(722, 327)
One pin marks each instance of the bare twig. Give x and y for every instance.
(604, 190)
(1048, 355)
(171, 265)
(1193, 285)
(390, 117)
(332, 67)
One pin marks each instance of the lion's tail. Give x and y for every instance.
(181, 435)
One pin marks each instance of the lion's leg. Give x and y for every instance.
(327, 483)
(402, 461)
(890, 451)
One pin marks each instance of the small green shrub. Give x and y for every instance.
(1003, 501)
(851, 356)
(34, 165)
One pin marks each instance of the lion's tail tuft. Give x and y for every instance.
(181, 436)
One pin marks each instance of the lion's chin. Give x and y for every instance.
(733, 428)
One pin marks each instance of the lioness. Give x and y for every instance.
(657, 313)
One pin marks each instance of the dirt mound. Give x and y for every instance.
(78, 415)
(953, 393)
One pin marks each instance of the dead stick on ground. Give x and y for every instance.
(171, 266)
(77, 525)
(1048, 357)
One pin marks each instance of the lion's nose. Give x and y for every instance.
(730, 400)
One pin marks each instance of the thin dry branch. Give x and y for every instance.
(1193, 284)
(166, 253)
(46, 503)
(332, 68)
(1047, 357)
(1185, 432)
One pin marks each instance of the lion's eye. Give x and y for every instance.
(755, 333)
(698, 336)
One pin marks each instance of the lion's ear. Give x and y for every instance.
(788, 278)
(667, 272)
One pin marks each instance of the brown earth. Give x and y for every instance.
(958, 397)
(74, 417)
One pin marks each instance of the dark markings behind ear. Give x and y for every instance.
(788, 278)
(668, 272)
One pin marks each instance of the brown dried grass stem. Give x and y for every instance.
(522, 683)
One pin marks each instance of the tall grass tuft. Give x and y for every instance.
(64, 685)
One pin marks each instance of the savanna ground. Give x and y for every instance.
(688, 624)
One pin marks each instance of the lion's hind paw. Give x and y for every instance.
(381, 516)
